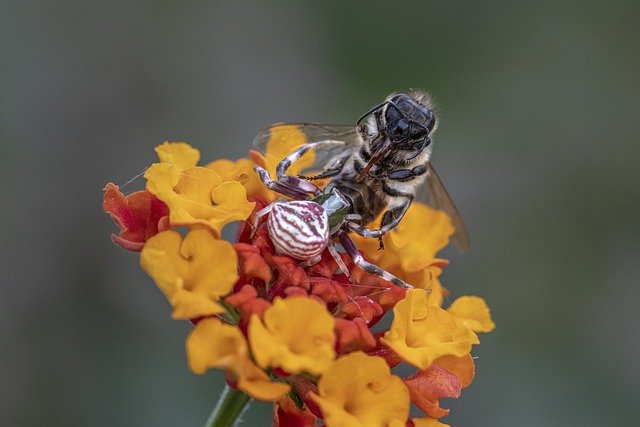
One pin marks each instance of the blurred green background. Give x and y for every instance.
(538, 143)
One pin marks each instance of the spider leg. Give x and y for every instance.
(338, 259)
(257, 217)
(310, 262)
(300, 182)
(368, 267)
(390, 220)
(293, 192)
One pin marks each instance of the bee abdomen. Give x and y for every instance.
(299, 229)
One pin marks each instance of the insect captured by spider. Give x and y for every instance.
(379, 165)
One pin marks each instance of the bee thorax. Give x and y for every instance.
(299, 229)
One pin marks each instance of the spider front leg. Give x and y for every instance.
(260, 214)
(296, 193)
(368, 267)
(257, 217)
(300, 181)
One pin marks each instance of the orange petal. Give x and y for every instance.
(462, 367)
(428, 387)
(251, 262)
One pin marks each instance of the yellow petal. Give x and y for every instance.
(473, 312)
(213, 344)
(427, 422)
(240, 171)
(297, 335)
(285, 140)
(179, 154)
(192, 273)
(413, 244)
(420, 333)
(360, 391)
(256, 383)
(198, 196)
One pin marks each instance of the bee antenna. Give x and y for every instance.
(377, 107)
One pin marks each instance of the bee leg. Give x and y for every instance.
(390, 220)
(326, 174)
(280, 187)
(404, 175)
(332, 170)
(368, 267)
(380, 243)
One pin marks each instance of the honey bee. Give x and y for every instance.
(382, 164)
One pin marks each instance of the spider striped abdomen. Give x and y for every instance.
(299, 229)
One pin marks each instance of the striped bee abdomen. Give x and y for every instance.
(299, 229)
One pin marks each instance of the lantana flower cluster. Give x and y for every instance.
(301, 337)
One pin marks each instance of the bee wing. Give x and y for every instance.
(438, 197)
(345, 136)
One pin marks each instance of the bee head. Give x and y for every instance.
(401, 123)
(407, 120)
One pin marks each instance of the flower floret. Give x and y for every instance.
(360, 391)
(192, 273)
(421, 333)
(296, 334)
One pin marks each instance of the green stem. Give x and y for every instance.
(230, 405)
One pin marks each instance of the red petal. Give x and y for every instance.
(386, 353)
(293, 291)
(326, 267)
(263, 243)
(279, 289)
(390, 297)
(303, 387)
(353, 335)
(330, 290)
(248, 302)
(257, 158)
(363, 307)
(251, 262)
(286, 414)
(139, 215)
(290, 273)
(428, 387)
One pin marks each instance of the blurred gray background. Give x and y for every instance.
(538, 143)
